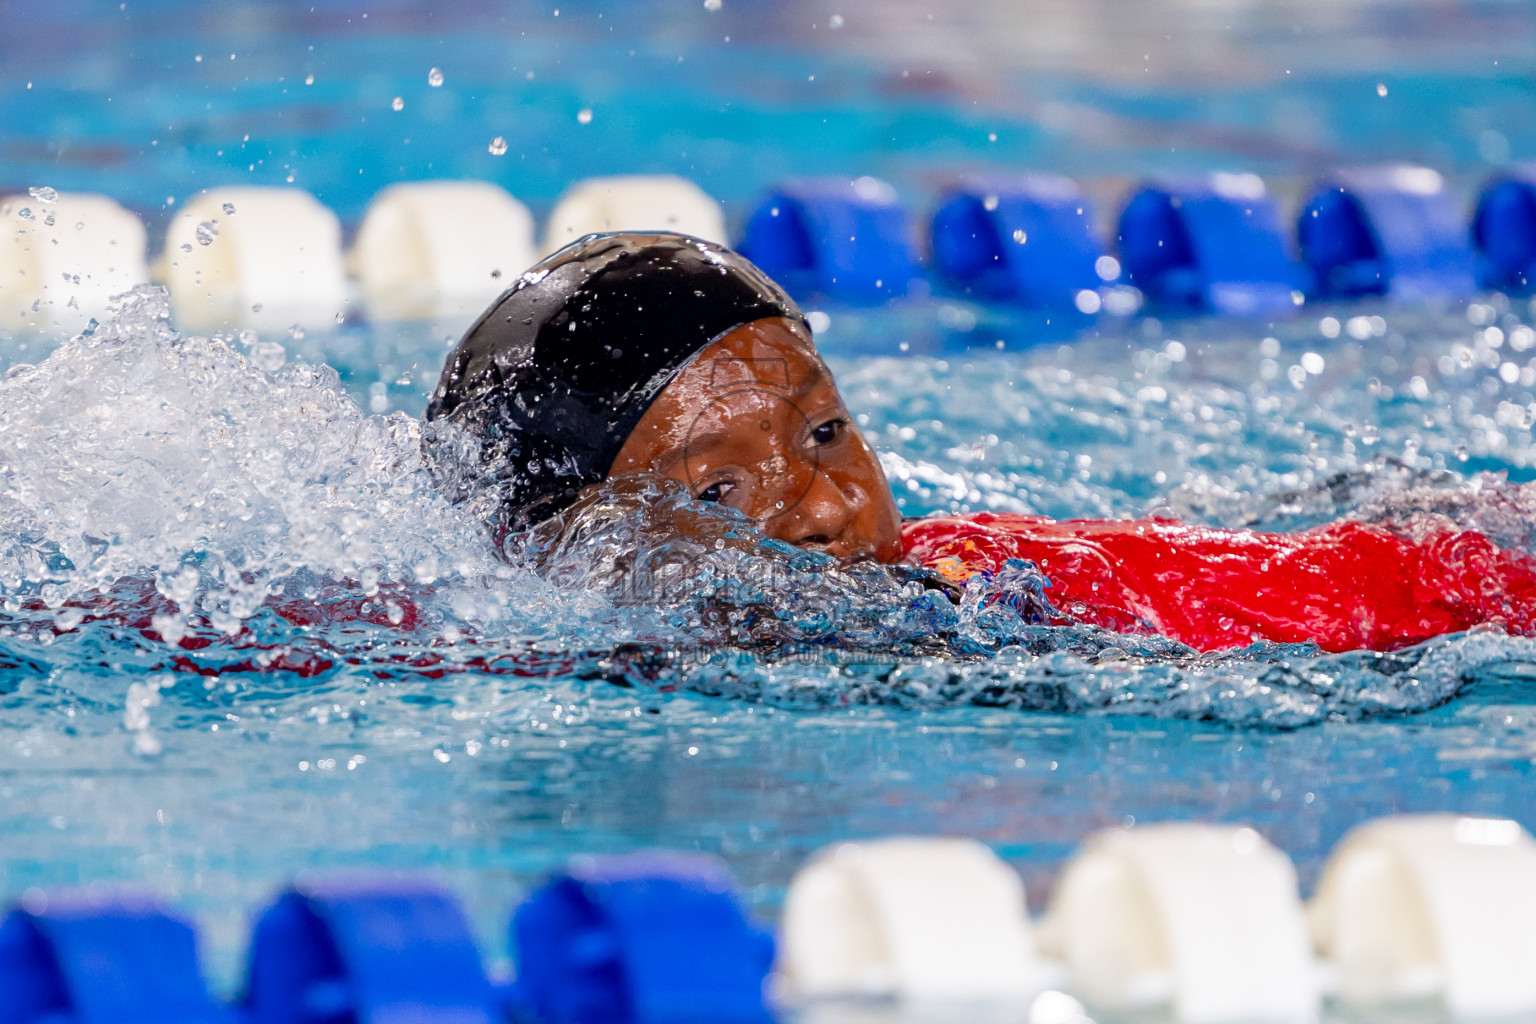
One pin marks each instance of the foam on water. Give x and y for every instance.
(132, 449)
(171, 505)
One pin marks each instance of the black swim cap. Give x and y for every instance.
(550, 381)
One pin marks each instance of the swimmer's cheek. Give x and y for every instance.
(877, 522)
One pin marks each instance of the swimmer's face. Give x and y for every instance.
(755, 422)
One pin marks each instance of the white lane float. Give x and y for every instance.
(660, 202)
(255, 257)
(1205, 918)
(941, 920)
(63, 256)
(434, 250)
(1425, 905)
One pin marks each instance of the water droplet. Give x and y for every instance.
(268, 355)
(496, 275)
(435, 77)
(341, 316)
(713, 5)
(296, 332)
(229, 208)
(25, 213)
(498, 146)
(43, 194)
(206, 232)
(1381, 88)
(584, 115)
(1019, 236)
(309, 79)
(186, 246)
(399, 103)
(836, 21)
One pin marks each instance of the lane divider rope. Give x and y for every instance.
(1203, 922)
(268, 257)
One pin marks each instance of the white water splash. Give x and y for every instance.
(132, 450)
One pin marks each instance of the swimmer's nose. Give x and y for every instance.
(820, 518)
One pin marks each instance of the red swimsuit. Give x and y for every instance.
(1345, 585)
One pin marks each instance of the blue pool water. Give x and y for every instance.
(447, 713)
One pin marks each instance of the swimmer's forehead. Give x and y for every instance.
(731, 373)
(777, 353)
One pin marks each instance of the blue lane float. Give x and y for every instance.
(120, 962)
(1207, 244)
(1196, 923)
(848, 240)
(1028, 240)
(1211, 243)
(1504, 231)
(645, 939)
(368, 953)
(1393, 231)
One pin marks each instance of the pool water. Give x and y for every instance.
(482, 737)
(243, 637)
(158, 99)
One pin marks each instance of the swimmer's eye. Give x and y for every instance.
(828, 432)
(715, 491)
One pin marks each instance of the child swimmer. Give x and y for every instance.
(664, 354)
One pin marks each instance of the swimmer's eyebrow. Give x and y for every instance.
(809, 382)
